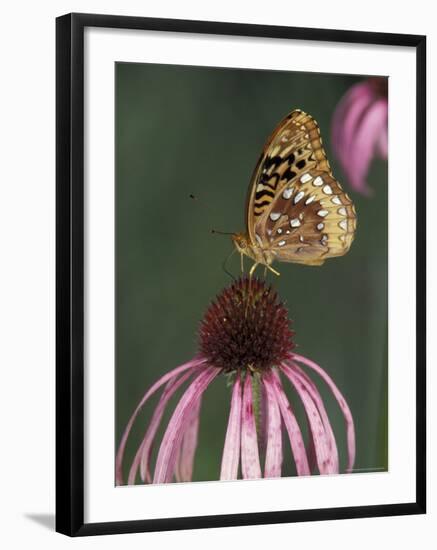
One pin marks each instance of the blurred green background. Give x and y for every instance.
(193, 130)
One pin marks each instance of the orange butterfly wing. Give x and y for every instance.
(296, 210)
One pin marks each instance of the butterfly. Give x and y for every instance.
(296, 211)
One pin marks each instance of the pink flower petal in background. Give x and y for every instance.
(347, 116)
(365, 142)
(359, 130)
(382, 143)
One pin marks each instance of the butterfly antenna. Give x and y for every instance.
(215, 232)
(200, 202)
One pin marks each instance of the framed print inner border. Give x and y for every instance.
(70, 475)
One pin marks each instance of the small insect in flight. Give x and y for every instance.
(296, 211)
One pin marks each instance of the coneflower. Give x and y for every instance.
(360, 130)
(246, 335)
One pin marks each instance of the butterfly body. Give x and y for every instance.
(296, 210)
(256, 253)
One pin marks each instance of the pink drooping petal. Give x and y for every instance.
(364, 144)
(317, 398)
(250, 466)
(197, 362)
(382, 143)
(167, 455)
(351, 121)
(361, 94)
(324, 455)
(264, 420)
(346, 118)
(231, 451)
(311, 450)
(189, 445)
(323, 437)
(153, 426)
(142, 456)
(273, 462)
(349, 421)
(177, 472)
(293, 430)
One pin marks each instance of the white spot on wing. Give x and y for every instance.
(310, 199)
(318, 181)
(320, 226)
(305, 178)
(335, 200)
(281, 243)
(343, 224)
(327, 190)
(342, 211)
(275, 216)
(287, 192)
(322, 213)
(298, 197)
(279, 231)
(295, 223)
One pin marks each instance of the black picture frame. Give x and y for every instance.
(70, 273)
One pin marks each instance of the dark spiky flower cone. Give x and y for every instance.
(246, 327)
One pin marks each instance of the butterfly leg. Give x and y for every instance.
(270, 268)
(251, 272)
(242, 262)
(252, 269)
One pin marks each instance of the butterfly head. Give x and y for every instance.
(241, 243)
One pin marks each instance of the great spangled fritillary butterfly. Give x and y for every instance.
(296, 211)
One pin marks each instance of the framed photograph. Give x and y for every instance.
(240, 274)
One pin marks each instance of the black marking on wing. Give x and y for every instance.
(272, 161)
(266, 180)
(289, 174)
(261, 194)
(260, 205)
